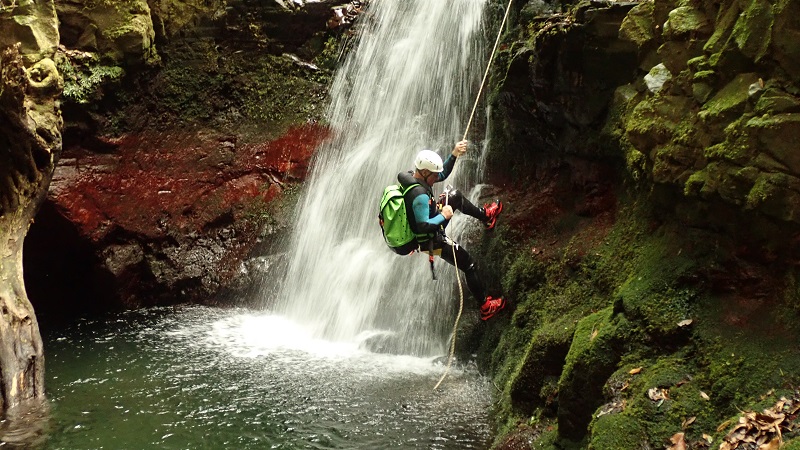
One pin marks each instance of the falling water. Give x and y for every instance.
(409, 84)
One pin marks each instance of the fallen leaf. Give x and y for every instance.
(678, 442)
(594, 335)
(635, 371)
(704, 395)
(708, 438)
(685, 323)
(686, 423)
(774, 444)
(723, 425)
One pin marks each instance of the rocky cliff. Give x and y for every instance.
(184, 120)
(30, 143)
(651, 248)
(645, 151)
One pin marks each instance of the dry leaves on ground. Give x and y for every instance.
(764, 430)
(678, 442)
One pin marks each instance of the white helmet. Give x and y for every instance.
(428, 159)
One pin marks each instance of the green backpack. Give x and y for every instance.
(394, 221)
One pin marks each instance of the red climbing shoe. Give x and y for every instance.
(491, 306)
(492, 210)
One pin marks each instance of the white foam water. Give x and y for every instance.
(409, 84)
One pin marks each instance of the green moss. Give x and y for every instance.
(664, 394)
(765, 190)
(533, 384)
(728, 151)
(643, 282)
(207, 83)
(726, 19)
(776, 101)
(638, 26)
(729, 103)
(615, 432)
(84, 80)
(705, 76)
(752, 32)
(593, 356)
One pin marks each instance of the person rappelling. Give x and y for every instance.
(428, 219)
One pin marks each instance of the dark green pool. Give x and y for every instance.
(196, 377)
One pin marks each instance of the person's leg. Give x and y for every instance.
(460, 203)
(465, 264)
(487, 214)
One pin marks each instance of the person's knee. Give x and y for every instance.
(455, 199)
(455, 194)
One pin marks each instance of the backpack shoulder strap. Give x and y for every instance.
(407, 189)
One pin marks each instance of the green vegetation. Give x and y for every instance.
(85, 78)
(622, 344)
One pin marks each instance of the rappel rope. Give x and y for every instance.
(447, 196)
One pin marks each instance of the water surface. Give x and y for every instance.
(197, 377)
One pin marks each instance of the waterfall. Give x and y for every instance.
(409, 84)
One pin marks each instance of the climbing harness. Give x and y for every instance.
(455, 260)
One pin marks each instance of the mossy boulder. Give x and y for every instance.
(594, 353)
(676, 54)
(776, 101)
(34, 26)
(686, 22)
(779, 136)
(534, 381)
(730, 102)
(655, 120)
(753, 30)
(615, 432)
(638, 26)
(785, 36)
(121, 31)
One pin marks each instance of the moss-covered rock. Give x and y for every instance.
(753, 31)
(33, 25)
(593, 356)
(534, 383)
(730, 102)
(638, 26)
(688, 311)
(785, 36)
(686, 22)
(655, 121)
(615, 432)
(120, 31)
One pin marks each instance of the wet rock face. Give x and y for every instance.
(692, 102)
(30, 143)
(165, 218)
(189, 125)
(723, 127)
(121, 31)
(557, 85)
(34, 27)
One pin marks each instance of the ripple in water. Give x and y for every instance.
(198, 377)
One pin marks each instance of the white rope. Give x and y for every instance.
(486, 74)
(455, 260)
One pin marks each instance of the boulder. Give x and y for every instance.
(119, 31)
(34, 26)
(686, 22)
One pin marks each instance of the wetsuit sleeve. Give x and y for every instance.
(422, 211)
(447, 167)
